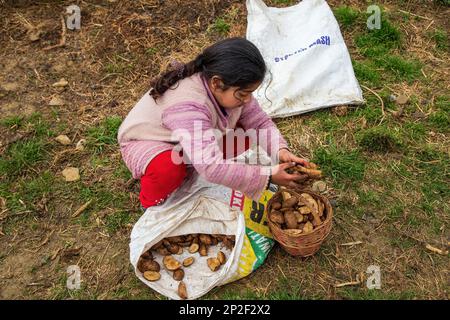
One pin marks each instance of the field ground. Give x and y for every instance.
(387, 168)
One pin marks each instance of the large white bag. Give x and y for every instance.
(202, 207)
(309, 64)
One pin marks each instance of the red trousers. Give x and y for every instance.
(162, 176)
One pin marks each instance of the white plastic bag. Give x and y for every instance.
(202, 207)
(309, 64)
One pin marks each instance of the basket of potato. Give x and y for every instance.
(300, 220)
(171, 248)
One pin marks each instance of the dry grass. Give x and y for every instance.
(109, 63)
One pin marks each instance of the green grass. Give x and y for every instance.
(104, 134)
(414, 132)
(440, 38)
(285, 289)
(26, 193)
(366, 72)
(151, 51)
(374, 294)
(221, 26)
(440, 120)
(376, 42)
(346, 16)
(402, 69)
(371, 112)
(118, 65)
(381, 47)
(442, 103)
(379, 139)
(443, 2)
(342, 165)
(434, 166)
(117, 221)
(22, 155)
(368, 198)
(325, 121)
(12, 121)
(122, 172)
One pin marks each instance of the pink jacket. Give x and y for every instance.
(151, 128)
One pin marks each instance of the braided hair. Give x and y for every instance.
(236, 61)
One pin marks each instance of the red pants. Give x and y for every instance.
(162, 176)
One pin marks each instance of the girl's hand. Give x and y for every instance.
(282, 178)
(286, 156)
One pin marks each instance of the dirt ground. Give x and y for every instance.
(385, 218)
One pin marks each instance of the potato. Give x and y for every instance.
(206, 239)
(232, 238)
(180, 251)
(214, 241)
(228, 243)
(166, 243)
(304, 210)
(310, 217)
(178, 274)
(300, 226)
(195, 240)
(313, 173)
(315, 224)
(213, 264)
(152, 275)
(147, 255)
(291, 220)
(221, 257)
(188, 261)
(188, 238)
(175, 239)
(173, 248)
(299, 216)
(182, 291)
(203, 250)
(148, 265)
(308, 227)
(219, 237)
(193, 248)
(285, 195)
(184, 243)
(289, 203)
(276, 205)
(157, 245)
(321, 207)
(163, 251)
(276, 216)
(311, 165)
(312, 204)
(171, 264)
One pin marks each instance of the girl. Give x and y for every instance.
(214, 91)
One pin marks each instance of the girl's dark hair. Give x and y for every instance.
(236, 61)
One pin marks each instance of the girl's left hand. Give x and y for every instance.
(286, 156)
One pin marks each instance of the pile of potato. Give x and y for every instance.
(301, 212)
(193, 243)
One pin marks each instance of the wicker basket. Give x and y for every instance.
(295, 242)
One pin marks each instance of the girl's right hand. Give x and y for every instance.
(282, 178)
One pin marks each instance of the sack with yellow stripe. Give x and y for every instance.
(201, 207)
(258, 240)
